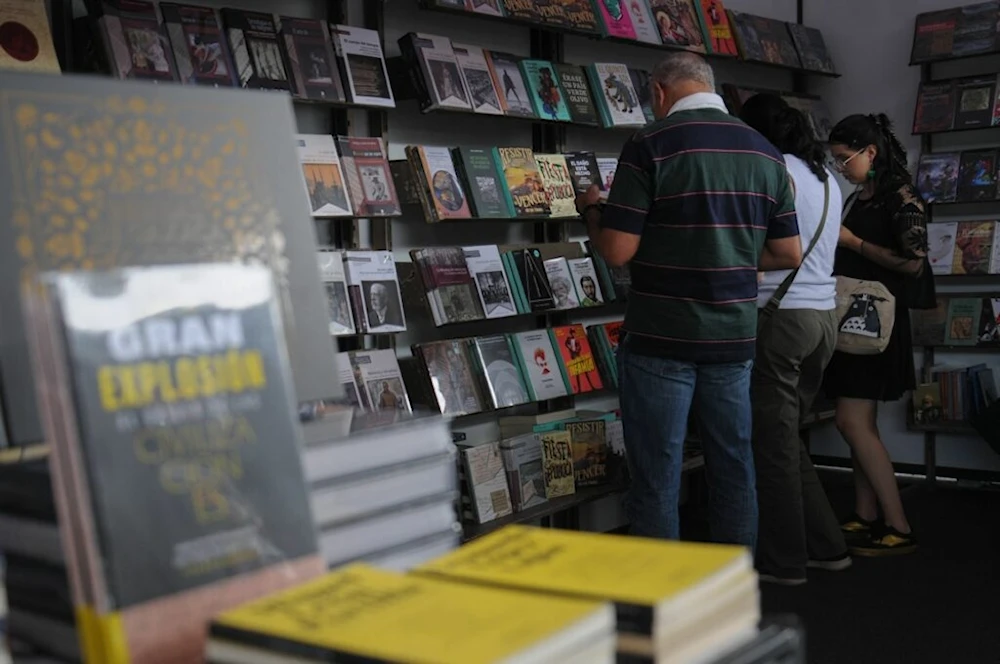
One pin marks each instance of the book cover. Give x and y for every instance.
(487, 482)
(362, 66)
(989, 322)
(311, 61)
(258, 55)
(540, 365)
(585, 281)
(486, 267)
(324, 176)
(929, 324)
(482, 181)
(522, 457)
(450, 370)
(338, 305)
(199, 45)
(642, 21)
(714, 18)
(678, 24)
(523, 10)
(975, 100)
(478, 79)
(977, 173)
(590, 452)
(377, 375)
(607, 166)
(353, 396)
(488, 7)
(558, 185)
(995, 260)
(373, 284)
(934, 35)
(503, 378)
(811, 47)
(615, 19)
(547, 95)
(557, 464)
(552, 13)
(135, 42)
(524, 187)
(937, 177)
(509, 83)
(935, 110)
(561, 281)
(369, 181)
(580, 15)
(976, 32)
(442, 77)
(963, 321)
(26, 39)
(973, 247)
(573, 80)
(443, 183)
(775, 41)
(584, 171)
(531, 273)
(451, 289)
(578, 365)
(941, 245)
(612, 86)
(642, 81)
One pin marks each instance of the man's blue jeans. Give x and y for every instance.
(656, 397)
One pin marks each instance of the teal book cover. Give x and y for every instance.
(547, 95)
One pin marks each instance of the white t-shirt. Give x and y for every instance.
(814, 286)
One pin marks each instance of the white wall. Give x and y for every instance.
(870, 43)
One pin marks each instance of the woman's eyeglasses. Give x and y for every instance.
(840, 163)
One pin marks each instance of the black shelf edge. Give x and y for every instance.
(498, 412)
(960, 130)
(968, 279)
(958, 204)
(960, 349)
(612, 307)
(954, 58)
(959, 428)
(23, 453)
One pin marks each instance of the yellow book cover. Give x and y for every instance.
(557, 464)
(25, 38)
(630, 571)
(558, 185)
(363, 611)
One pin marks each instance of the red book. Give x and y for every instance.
(720, 34)
(578, 365)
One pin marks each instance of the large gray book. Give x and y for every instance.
(99, 173)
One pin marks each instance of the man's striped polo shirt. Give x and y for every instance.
(704, 191)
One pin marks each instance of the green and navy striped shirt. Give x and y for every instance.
(704, 191)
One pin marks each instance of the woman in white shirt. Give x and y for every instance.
(798, 528)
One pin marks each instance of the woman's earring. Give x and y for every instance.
(871, 174)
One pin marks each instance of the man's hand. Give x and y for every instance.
(590, 197)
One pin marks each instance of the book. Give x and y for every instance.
(451, 289)
(522, 457)
(504, 383)
(539, 365)
(338, 304)
(977, 175)
(941, 246)
(590, 452)
(765, 40)
(362, 66)
(523, 10)
(27, 45)
(311, 61)
(580, 16)
(353, 396)
(524, 190)
(253, 41)
(478, 79)
(377, 375)
(976, 31)
(449, 368)
(989, 322)
(369, 181)
(558, 185)
(975, 101)
(488, 7)
(935, 110)
(441, 78)
(199, 46)
(530, 274)
(578, 366)
(573, 80)
(616, 99)
(547, 95)
(210, 344)
(373, 288)
(561, 281)
(678, 23)
(937, 177)
(482, 180)
(487, 482)
(963, 321)
(586, 282)
(995, 260)
(642, 82)
(443, 196)
(615, 19)
(584, 172)
(929, 324)
(134, 41)
(607, 166)
(509, 84)
(642, 22)
(487, 269)
(973, 247)
(719, 33)
(811, 47)
(347, 613)
(557, 464)
(324, 176)
(934, 35)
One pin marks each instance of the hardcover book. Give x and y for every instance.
(199, 46)
(976, 31)
(366, 167)
(442, 189)
(449, 369)
(973, 247)
(558, 185)
(27, 45)
(487, 482)
(377, 375)
(482, 181)
(522, 457)
(253, 41)
(578, 365)
(975, 103)
(678, 23)
(486, 267)
(561, 281)
(338, 304)
(642, 22)
(524, 190)
(977, 175)
(311, 61)
(209, 343)
(510, 85)
(557, 464)
(617, 100)
(811, 47)
(539, 365)
(935, 109)
(324, 176)
(573, 80)
(590, 452)
(714, 18)
(504, 382)
(215, 167)
(476, 70)
(547, 95)
(374, 291)
(135, 42)
(615, 19)
(937, 177)
(362, 66)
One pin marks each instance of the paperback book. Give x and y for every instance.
(377, 375)
(557, 464)
(311, 62)
(482, 181)
(487, 269)
(585, 280)
(524, 189)
(573, 80)
(590, 452)
(374, 291)
(439, 78)
(642, 22)
(718, 30)
(478, 79)
(369, 181)
(977, 176)
(510, 85)
(561, 281)
(811, 47)
(324, 176)
(522, 457)
(441, 189)
(257, 53)
(976, 97)
(937, 177)
(547, 96)
(941, 246)
(617, 100)
(539, 365)
(557, 184)
(615, 19)
(935, 110)
(578, 365)
(973, 247)
(134, 41)
(362, 66)
(338, 304)
(504, 382)
(487, 482)
(449, 369)
(199, 45)
(678, 23)
(35, 51)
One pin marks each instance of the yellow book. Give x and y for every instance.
(654, 583)
(557, 464)
(361, 611)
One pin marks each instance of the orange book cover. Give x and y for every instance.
(720, 34)
(579, 367)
